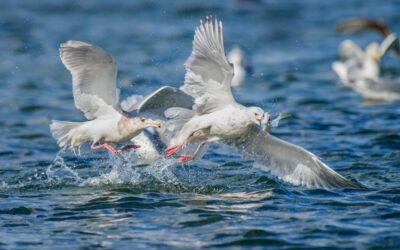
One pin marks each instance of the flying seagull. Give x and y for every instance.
(94, 74)
(288, 162)
(216, 116)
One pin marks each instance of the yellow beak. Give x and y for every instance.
(156, 124)
(377, 56)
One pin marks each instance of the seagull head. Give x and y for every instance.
(144, 122)
(371, 63)
(256, 114)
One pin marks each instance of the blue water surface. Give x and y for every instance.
(52, 199)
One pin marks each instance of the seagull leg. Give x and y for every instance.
(185, 158)
(105, 145)
(127, 147)
(173, 149)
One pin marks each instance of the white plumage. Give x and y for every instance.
(94, 74)
(216, 116)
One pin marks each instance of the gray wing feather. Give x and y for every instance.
(289, 162)
(154, 142)
(156, 103)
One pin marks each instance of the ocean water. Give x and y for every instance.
(55, 199)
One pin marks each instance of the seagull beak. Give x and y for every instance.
(258, 121)
(377, 56)
(155, 124)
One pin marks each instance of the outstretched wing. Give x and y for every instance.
(391, 43)
(208, 73)
(156, 103)
(289, 162)
(348, 50)
(353, 25)
(94, 74)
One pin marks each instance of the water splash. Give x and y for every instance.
(59, 171)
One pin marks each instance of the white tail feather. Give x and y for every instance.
(62, 132)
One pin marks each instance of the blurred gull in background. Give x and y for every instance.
(354, 25)
(359, 69)
(241, 65)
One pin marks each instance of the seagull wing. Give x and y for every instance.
(353, 25)
(94, 74)
(153, 142)
(156, 103)
(208, 73)
(348, 50)
(289, 162)
(391, 43)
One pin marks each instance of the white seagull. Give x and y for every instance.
(94, 74)
(356, 62)
(216, 116)
(208, 78)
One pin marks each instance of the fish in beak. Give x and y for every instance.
(280, 116)
(265, 122)
(267, 125)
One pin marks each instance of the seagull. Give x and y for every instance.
(353, 25)
(216, 116)
(361, 63)
(288, 162)
(360, 70)
(241, 65)
(94, 74)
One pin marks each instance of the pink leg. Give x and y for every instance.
(173, 149)
(105, 145)
(127, 147)
(185, 158)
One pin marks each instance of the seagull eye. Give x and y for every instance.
(256, 114)
(142, 119)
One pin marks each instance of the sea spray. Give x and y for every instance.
(59, 171)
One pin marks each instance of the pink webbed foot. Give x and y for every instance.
(185, 158)
(172, 150)
(128, 147)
